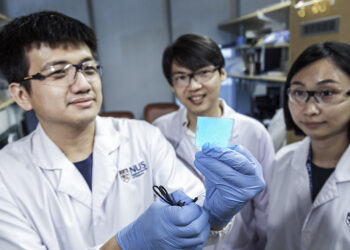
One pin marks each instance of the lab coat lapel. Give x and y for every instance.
(107, 141)
(179, 140)
(59, 170)
(300, 175)
(341, 174)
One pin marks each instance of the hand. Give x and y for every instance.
(232, 177)
(163, 226)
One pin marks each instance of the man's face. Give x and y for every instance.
(72, 104)
(200, 98)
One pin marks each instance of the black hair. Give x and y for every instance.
(192, 51)
(338, 53)
(26, 32)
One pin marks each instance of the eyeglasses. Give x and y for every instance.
(65, 74)
(330, 97)
(201, 76)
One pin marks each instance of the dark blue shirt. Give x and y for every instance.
(85, 168)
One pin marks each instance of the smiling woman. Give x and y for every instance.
(310, 179)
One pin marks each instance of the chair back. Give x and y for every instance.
(119, 114)
(153, 110)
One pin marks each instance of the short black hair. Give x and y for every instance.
(192, 51)
(338, 53)
(49, 27)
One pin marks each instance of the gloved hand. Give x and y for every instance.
(232, 177)
(163, 226)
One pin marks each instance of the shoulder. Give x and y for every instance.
(250, 127)
(244, 120)
(125, 125)
(12, 151)
(288, 151)
(168, 118)
(169, 122)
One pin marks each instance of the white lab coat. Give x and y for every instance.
(249, 228)
(294, 221)
(45, 202)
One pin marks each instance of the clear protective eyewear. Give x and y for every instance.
(65, 74)
(330, 97)
(201, 76)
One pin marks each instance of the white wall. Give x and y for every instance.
(202, 17)
(248, 6)
(132, 35)
(77, 8)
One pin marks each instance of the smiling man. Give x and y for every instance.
(80, 181)
(194, 68)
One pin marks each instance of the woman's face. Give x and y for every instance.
(321, 120)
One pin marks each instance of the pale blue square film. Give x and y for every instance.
(214, 130)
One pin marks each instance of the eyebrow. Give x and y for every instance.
(323, 82)
(58, 62)
(193, 72)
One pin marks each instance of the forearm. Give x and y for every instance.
(112, 244)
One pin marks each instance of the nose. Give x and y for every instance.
(311, 107)
(80, 83)
(194, 84)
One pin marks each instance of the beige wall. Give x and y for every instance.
(298, 44)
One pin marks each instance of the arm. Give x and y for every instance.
(112, 244)
(15, 230)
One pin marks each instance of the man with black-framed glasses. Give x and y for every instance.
(80, 181)
(194, 68)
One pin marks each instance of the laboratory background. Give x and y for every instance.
(259, 40)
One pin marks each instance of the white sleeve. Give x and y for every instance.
(15, 231)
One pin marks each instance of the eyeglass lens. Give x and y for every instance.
(323, 96)
(67, 74)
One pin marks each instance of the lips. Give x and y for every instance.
(197, 99)
(81, 100)
(312, 125)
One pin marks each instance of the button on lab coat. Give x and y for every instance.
(295, 222)
(249, 228)
(45, 202)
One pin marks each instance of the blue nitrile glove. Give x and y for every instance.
(232, 177)
(163, 226)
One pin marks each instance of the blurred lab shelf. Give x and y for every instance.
(5, 103)
(267, 78)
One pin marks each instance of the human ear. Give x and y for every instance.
(223, 74)
(20, 95)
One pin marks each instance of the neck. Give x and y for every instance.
(75, 142)
(326, 153)
(216, 111)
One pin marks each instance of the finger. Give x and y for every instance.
(180, 196)
(196, 232)
(231, 157)
(182, 216)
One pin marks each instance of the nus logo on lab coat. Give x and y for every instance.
(133, 172)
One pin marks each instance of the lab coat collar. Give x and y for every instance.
(341, 173)
(107, 141)
(65, 177)
(59, 170)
